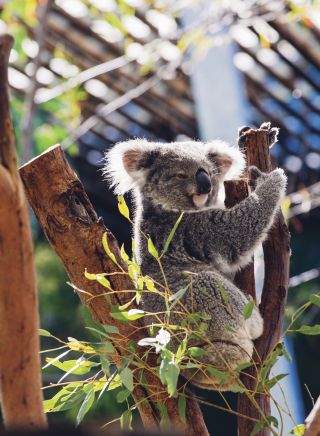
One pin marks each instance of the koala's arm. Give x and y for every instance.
(233, 234)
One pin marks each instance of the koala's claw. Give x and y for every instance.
(272, 133)
(265, 126)
(254, 172)
(243, 130)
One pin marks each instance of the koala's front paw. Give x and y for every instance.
(255, 173)
(256, 176)
(278, 177)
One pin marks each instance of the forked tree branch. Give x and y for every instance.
(21, 397)
(274, 295)
(75, 233)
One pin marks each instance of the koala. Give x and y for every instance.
(211, 243)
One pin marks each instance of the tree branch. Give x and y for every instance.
(274, 295)
(21, 397)
(75, 233)
(312, 422)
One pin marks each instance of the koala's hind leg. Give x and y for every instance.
(228, 340)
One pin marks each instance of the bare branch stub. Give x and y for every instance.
(274, 295)
(21, 396)
(75, 233)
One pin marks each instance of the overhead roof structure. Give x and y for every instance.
(280, 62)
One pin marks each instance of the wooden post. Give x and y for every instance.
(75, 233)
(21, 396)
(274, 295)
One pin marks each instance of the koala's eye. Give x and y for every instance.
(181, 176)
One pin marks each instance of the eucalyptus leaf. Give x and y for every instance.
(182, 407)
(315, 299)
(107, 249)
(123, 395)
(298, 430)
(43, 332)
(248, 308)
(123, 208)
(309, 329)
(86, 405)
(171, 234)
(152, 249)
(126, 316)
(126, 376)
(126, 420)
(196, 352)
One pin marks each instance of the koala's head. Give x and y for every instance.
(185, 176)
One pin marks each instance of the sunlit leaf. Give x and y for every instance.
(107, 249)
(43, 332)
(298, 430)
(171, 235)
(86, 405)
(152, 249)
(124, 255)
(79, 367)
(123, 208)
(126, 316)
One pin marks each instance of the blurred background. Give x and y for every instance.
(90, 73)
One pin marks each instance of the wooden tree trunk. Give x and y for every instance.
(21, 396)
(312, 423)
(75, 233)
(274, 295)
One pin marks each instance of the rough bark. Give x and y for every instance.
(274, 294)
(75, 233)
(236, 191)
(21, 396)
(312, 422)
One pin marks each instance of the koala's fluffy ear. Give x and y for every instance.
(228, 161)
(127, 164)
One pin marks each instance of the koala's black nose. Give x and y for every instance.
(203, 182)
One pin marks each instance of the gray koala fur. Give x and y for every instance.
(212, 242)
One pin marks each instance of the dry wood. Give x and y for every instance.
(75, 233)
(312, 422)
(274, 295)
(21, 396)
(237, 190)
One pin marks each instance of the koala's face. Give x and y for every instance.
(180, 182)
(184, 176)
